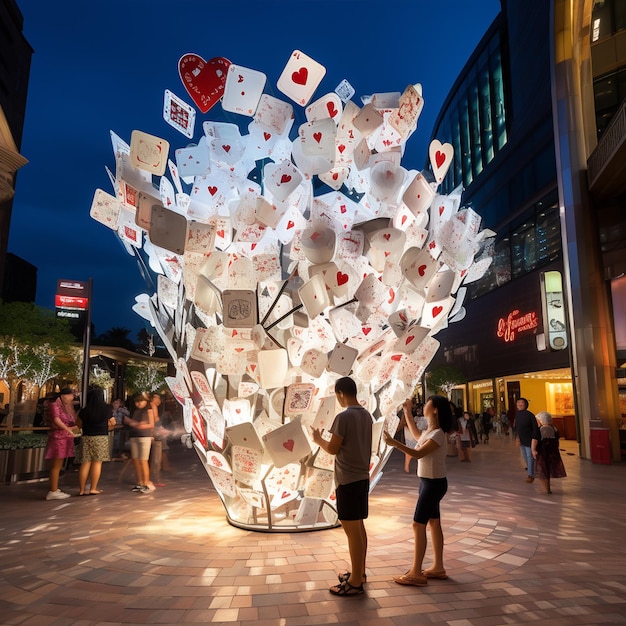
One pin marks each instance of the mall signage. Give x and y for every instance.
(516, 322)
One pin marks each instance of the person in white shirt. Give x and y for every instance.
(431, 468)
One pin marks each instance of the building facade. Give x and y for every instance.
(542, 322)
(15, 58)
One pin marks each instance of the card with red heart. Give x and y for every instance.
(300, 77)
(287, 444)
(328, 106)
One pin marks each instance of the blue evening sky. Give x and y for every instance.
(99, 66)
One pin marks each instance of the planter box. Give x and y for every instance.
(25, 464)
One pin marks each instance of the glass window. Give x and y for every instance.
(601, 20)
(523, 251)
(484, 97)
(497, 99)
(464, 133)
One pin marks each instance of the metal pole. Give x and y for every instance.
(86, 346)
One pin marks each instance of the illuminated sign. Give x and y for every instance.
(516, 323)
(70, 302)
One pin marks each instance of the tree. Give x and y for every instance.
(116, 336)
(445, 378)
(34, 344)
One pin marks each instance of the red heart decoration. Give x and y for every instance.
(343, 208)
(341, 148)
(203, 80)
(216, 461)
(290, 224)
(285, 178)
(342, 279)
(366, 331)
(440, 158)
(220, 233)
(409, 340)
(226, 148)
(392, 296)
(437, 310)
(300, 77)
(332, 111)
(212, 190)
(386, 236)
(267, 136)
(432, 245)
(317, 137)
(403, 220)
(335, 176)
(396, 357)
(421, 270)
(441, 209)
(288, 445)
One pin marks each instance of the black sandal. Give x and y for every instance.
(346, 589)
(345, 577)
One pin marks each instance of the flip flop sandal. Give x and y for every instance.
(414, 581)
(346, 589)
(440, 575)
(345, 577)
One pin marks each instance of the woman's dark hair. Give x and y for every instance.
(447, 421)
(346, 385)
(95, 406)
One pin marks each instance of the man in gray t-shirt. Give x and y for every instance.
(351, 442)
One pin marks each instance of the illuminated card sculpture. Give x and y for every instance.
(287, 258)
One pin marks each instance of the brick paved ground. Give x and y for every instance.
(514, 554)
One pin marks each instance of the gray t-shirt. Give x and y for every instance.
(352, 462)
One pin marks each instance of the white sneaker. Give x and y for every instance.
(57, 495)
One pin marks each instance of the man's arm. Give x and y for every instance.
(332, 446)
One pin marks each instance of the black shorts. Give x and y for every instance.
(352, 500)
(432, 491)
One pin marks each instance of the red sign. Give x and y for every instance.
(70, 302)
(515, 323)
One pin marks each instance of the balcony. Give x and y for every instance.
(606, 167)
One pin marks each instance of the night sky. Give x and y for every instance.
(101, 66)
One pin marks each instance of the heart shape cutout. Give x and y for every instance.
(203, 80)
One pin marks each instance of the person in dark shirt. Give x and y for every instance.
(527, 429)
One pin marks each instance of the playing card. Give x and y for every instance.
(418, 195)
(328, 106)
(319, 483)
(318, 138)
(404, 118)
(368, 120)
(243, 90)
(193, 161)
(246, 464)
(272, 368)
(314, 296)
(168, 229)
(287, 444)
(148, 153)
(281, 179)
(418, 267)
(300, 77)
(105, 209)
(341, 359)
(299, 398)
(178, 114)
(314, 362)
(274, 115)
(245, 435)
(344, 90)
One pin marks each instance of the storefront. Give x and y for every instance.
(514, 343)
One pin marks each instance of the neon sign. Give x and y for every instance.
(515, 323)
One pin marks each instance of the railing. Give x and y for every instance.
(612, 139)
